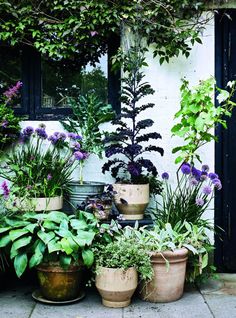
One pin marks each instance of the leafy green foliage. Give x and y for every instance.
(198, 116)
(81, 29)
(54, 237)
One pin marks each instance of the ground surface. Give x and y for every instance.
(16, 302)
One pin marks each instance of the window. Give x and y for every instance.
(46, 84)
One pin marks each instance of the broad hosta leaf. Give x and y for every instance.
(65, 261)
(35, 260)
(84, 238)
(46, 237)
(21, 242)
(5, 240)
(88, 257)
(50, 225)
(57, 217)
(65, 244)
(54, 246)
(31, 227)
(4, 229)
(20, 264)
(15, 234)
(78, 224)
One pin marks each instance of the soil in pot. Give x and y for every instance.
(116, 286)
(168, 282)
(131, 200)
(58, 284)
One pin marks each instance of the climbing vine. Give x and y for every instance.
(78, 30)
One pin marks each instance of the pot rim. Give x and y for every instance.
(56, 267)
(177, 255)
(36, 198)
(131, 184)
(86, 183)
(117, 268)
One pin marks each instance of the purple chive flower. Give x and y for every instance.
(199, 202)
(204, 176)
(53, 139)
(207, 190)
(23, 138)
(12, 91)
(6, 190)
(49, 177)
(76, 146)
(205, 168)
(165, 175)
(213, 176)
(41, 133)
(185, 168)
(193, 182)
(196, 173)
(28, 131)
(78, 155)
(4, 123)
(217, 184)
(62, 136)
(85, 154)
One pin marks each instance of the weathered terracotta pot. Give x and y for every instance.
(58, 284)
(167, 284)
(136, 196)
(40, 204)
(116, 286)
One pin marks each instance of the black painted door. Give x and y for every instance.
(225, 203)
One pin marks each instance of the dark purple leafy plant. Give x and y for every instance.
(127, 144)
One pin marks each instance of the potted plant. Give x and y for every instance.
(117, 267)
(88, 114)
(169, 248)
(128, 140)
(57, 245)
(39, 168)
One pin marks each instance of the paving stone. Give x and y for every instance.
(191, 305)
(222, 306)
(16, 303)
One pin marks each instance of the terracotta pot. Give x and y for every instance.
(58, 284)
(40, 204)
(166, 285)
(116, 286)
(137, 198)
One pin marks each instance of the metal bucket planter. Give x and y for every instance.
(167, 284)
(80, 192)
(131, 200)
(58, 284)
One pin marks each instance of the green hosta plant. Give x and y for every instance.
(198, 116)
(32, 239)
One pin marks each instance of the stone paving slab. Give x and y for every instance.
(222, 306)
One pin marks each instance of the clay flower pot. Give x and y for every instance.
(167, 284)
(131, 200)
(116, 286)
(58, 284)
(40, 204)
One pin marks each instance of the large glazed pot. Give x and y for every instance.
(168, 281)
(40, 204)
(58, 284)
(131, 200)
(116, 286)
(80, 192)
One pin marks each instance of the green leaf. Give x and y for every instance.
(21, 242)
(78, 224)
(88, 257)
(49, 225)
(65, 245)
(5, 240)
(65, 261)
(20, 264)
(4, 229)
(31, 227)
(84, 238)
(57, 217)
(35, 260)
(54, 246)
(204, 260)
(15, 234)
(46, 237)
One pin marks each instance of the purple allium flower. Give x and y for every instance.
(165, 175)
(207, 190)
(196, 173)
(76, 146)
(62, 136)
(13, 91)
(199, 202)
(28, 131)
(4, 123)
(213, 176)
(217, 184)
(41, 133)
(78, 155)
(85, 154)
(205, 168)
(56, 134)
(193, 182)
(6, 190)
(53, 139)
(204, 176)
(185, 168)
(23, 138)
(74, 136)
(134, 169)
(49, 177)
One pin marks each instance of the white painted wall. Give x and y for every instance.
(165, 80)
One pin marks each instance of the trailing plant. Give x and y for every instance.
(131, 132)
(88, 114)
(32, 239)
(9, 123)
(190, 198)
(198, 116)
(41, 165)
(81, 29)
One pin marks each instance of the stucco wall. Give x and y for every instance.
(165, 80)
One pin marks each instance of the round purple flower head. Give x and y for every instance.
(196, 173)
(205, 168)
(217, 184)
(207, 190)
(78, 155)
(62, 136)
(185, 168)
(41, 133)
(53, 139)
(165, 175)
(6, 190)
(204, 176)
(76, 146)
(193, 182)
(28, 131)
(213, 176)
(199, 202)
